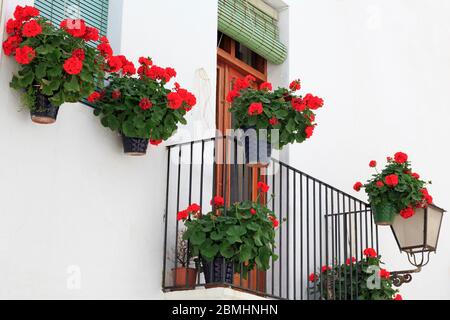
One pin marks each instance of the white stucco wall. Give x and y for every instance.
(383, 68)
(69, 197)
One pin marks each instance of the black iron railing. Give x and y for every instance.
(320, 225)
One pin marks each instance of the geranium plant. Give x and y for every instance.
(395, 190)
(243, 234)
(282, 109)
(57, 65)
(141, 107)
(354, 280)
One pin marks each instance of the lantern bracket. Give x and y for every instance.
(400, 277)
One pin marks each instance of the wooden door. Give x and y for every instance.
(234, 182)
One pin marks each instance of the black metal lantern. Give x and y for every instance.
(417, 236)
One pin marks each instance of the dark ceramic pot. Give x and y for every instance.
(134, 146)
(44, 112)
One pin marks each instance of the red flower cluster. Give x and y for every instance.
(13, 26)
(94, 97)
(313, 277)
(25, 55)
(232, 95)
(426, 196)
(325, 269)
(298, 104)
(73, 65)
(380, 184)
(370, 252)
(295, 85)
(105, 48)
(273, 121)
(25, 13)
(79, 53)
(155, 142)
(266, 86)
(391, 180)
(116, 94)
(193, 209)
(313, 102)
(145, 104)
(11, 44)
(407, 213)
(373, 164)
(357, 187)
(309, 131)
(263, 187)
(401, 157)
(398, 297)
(351, 260)
(252, 211)
(188, 100)
(256, 108)
(78, 29)
(275, 221)
(384, 274)
(154, 72)
(31, 29)
(218, 201)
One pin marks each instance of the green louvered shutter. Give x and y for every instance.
(94, 12)
(258, 31)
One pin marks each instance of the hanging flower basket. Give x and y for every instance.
(274, 118)
(137, 104)
(56, 65)
(395, 191)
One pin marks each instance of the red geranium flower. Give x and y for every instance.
(252, 211)
(398, 297)
(313, 277)
(194, 208)
(267, 86)
(400, 157)
(13, 26)
(116, 94)
(11, 44)
(373, 164)
(79, 53)
(298, 104)
(263, 187)
(115, 64)
(183, 215)
(391, 180)
(295, 85)
(370, 252)
(155, 142)
(384, 274)
(309, 131)
(74, 27)
(91, 34)
(145, 104)
(273, 121)
(256, 108)
(175, 101)
(233, 94)
(145, 61)
(218, 201)
(313, 102)
(275, 221)
(415, 176)
(325, 269)
(25, 55)
(73, 65)
(31, 29)
(129, 68)
(407, 213)
(25, 13)
(241, 84)
(380, 184)
(351, 260)
(94, 97)
(357, 187)
(426, 196)
(105, 49)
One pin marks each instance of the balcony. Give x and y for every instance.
(320, 225)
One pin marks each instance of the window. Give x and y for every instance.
(94, 12)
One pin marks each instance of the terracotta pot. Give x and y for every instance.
(134, 146)
(384, 214)
(185, 278)
(44, 112)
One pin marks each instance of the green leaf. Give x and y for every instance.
(226, 250)
(198, 238)
(209, 251)
(245, 253)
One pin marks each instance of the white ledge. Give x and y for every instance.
(211, 294)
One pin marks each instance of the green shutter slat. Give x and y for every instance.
(253, 28)
(94, 12)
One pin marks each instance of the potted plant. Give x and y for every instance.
(395, 190)
(56, 65)
(141, 108)
(231, 240)
(184, 276)
(354, 280)
(261, 113)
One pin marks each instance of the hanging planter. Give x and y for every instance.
(271, 119)
(141, 108)
(395, 191)
(234, 240)
(56, 65)
(44, 111)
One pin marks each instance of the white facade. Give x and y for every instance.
(78, 219)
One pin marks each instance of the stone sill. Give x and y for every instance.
(211, 294)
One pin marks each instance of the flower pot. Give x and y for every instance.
(218, 272)
(134, 146)
(44, 112)
(384, 214)
(258, 151)
(185, 278)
